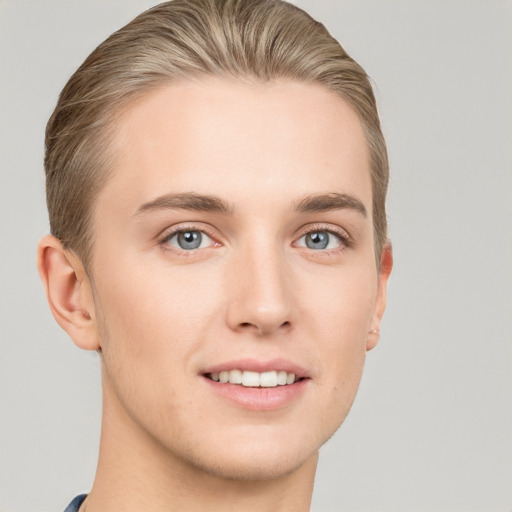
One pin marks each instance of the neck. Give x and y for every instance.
(136, 474)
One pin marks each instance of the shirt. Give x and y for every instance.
(75, 504)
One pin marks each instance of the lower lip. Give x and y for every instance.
(259, 399)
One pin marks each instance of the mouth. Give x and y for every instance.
(258, 385)
(253, 379)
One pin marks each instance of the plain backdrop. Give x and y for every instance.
(431, 428)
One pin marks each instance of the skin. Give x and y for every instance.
(161, 315)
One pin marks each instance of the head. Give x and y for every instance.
(216, 180)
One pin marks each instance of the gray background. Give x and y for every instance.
(431, 429)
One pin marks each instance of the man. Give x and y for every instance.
(216, 181)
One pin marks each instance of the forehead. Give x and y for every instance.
(244, 142)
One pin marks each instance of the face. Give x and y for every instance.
(234, 243)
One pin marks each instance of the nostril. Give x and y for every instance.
(250, 324)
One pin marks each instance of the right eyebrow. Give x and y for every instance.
(187, 201)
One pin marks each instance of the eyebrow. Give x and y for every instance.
(207, 203)
(187, 201)
(331, 201)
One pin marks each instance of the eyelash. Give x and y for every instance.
(169, 234)
(346, 241)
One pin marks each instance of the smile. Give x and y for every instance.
(258, 385)
(251, 379)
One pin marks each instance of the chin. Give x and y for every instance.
(257, 454)
(260, 467)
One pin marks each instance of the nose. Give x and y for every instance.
(260, 293)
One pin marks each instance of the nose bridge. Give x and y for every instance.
(260, 290)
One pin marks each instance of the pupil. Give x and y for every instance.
(317, 240)
(189, 239)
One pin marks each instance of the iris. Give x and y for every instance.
(189, 239)
(317, 240)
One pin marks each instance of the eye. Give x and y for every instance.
(189, 239)
(320, 240)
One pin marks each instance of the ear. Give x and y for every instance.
(386, 264)
(69, 292)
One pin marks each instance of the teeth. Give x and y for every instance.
(235, 377)
(251, 379)
(281, 378)
(268, 380)
(254, 379)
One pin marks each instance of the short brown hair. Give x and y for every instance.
(240, 39)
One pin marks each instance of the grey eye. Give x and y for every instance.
(319, 240)
(189, 240)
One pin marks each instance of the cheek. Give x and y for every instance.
(155, 321)
(341, 313)
(342, 304)
(157, 314)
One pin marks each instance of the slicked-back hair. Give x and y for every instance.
(243, 40)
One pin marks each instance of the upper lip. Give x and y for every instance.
(260, 366)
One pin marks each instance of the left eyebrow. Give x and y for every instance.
(331, 201)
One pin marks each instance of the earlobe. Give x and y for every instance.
(68, 291)
(386, 264)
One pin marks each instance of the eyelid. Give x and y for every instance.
(168, 233)
(342, 234)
